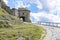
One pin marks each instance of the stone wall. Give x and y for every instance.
(14, 12)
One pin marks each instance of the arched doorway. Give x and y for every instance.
(23, 18)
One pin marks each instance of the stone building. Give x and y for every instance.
(23, 13)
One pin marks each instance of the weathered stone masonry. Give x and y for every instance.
(23, 13)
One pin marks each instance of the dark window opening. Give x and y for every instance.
(23, 13)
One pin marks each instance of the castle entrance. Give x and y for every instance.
(23, 18)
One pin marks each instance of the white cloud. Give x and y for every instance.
(21, 3)
(6, 1)
(54, 11)
(26, 3)
(51, 17)
(53, 5)
(38, 3)
(37, 15)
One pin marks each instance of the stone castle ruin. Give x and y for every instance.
(23, 13)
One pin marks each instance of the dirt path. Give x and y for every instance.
(53, 33)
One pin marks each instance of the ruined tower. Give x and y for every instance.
(23, 13)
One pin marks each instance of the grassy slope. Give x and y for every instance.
(11, 28)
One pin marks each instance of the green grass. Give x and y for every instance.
(11, 28)
(26, 30)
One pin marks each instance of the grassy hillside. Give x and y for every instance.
(11, 28)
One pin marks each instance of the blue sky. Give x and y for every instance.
(41, 10)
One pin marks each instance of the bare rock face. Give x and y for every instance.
(21, 38)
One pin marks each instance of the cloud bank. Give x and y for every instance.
(53, 14)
